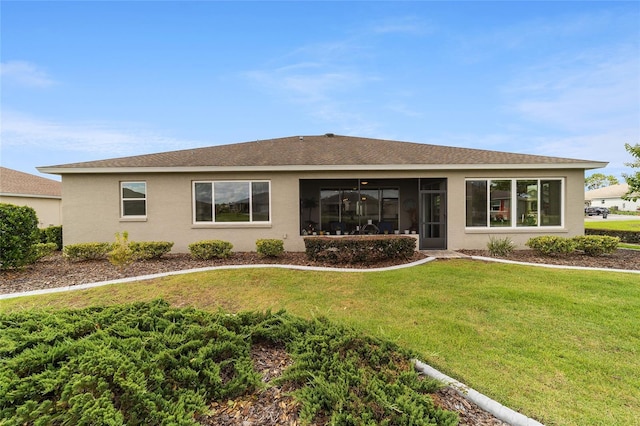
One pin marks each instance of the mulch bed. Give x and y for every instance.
(620, 259)
(272, 405)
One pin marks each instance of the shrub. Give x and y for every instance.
(270, 247)
(209, 249)
(53, 234)
(121, 254)
(500, 246)
(630, 237)
(86, 251)
(596, 245)
(18, 233)
(146, 250)
(550, 245)
(365, 250)
(41, 250)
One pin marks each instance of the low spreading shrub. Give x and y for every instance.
(500, 246)
(210, 249)
(270, 247)
(147, 250)
(86, 251)
(151, 364)
(596, 245)
(365, 249)
(551, 245)
(18, 233)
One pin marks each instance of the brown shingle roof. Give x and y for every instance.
(19, 183)
(321, 150)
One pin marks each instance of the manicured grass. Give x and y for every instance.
(614, 225)
(629, 246)
(559, 346)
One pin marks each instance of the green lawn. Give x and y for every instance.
(614, 225)
(559, 346)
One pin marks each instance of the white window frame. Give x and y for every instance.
(513, 203)
(122, 200)
(213, 197)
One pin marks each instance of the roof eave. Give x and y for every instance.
(305, 167)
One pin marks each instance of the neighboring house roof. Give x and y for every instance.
(324, 152)
(611, 191)
(20, 184)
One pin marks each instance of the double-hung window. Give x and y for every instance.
(231, 201)
(133, 199)
(514, 203)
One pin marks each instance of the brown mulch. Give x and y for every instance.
(55, 271)
(271, 405)
(620, 259)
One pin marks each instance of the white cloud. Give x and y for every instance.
(584, 93)
(25, 74)
(100, 139)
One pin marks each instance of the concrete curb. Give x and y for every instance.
(210, 268)
(546, 265)
(501, 412)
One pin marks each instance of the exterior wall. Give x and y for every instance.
(623, 205)
(48, 210)
(91, 209)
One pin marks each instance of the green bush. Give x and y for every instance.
(210, 249)
(151, 364)
(53, 234)
(147, 250)
(18, 233)
(41, 250)
(629, 237)
(365, 249)
(121, 254)
(500, 246)
(86, 251)
(270, 247)
(550, 245)
(596, 245)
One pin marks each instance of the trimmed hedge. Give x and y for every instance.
(147, 250)
(629, 237)
(596, 245)
(365, 249)
(41, 250)
(18, 233)
(86, 251)
(210, 249)
(591, 245)
(52, 234)
(270, 247)
(551, 245)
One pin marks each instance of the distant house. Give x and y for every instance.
(24, 189)
(611, 198)
(287, 188)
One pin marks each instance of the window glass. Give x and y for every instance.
(260, 201)
(134, 198)
(500, 202)
(537, 202)
(551, 203)
(476, 203)
(204, 201)
(527, 208)
(231, 201)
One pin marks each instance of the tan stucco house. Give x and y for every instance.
(24, 189)
(290, 187)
